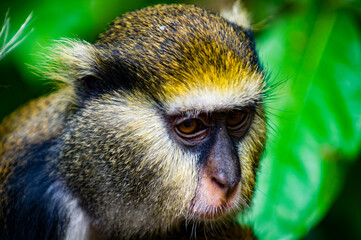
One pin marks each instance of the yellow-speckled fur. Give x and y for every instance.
(116, 155)
(35, 122)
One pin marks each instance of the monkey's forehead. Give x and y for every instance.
(214, 93)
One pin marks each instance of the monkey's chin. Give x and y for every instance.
(210, 212)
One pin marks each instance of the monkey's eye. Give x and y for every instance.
(235, 118)
(238, 121)
(189, 126)
(190, 130)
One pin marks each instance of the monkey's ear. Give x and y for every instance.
(78, 65)
(69, 60)
(237, 15)
(89, 70)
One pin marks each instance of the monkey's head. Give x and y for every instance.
(167, 124)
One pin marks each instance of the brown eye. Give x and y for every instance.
(190, 131)
(238, 122)
(236, 118)
(188, 126)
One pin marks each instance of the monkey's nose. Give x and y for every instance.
(219, 187)
(227, 185)
(224, 184)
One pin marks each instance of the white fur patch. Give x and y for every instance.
(69, 60)
(78, 228)
(79, 225)
(213, 98)
(237, 14)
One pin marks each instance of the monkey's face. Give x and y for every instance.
(168, 125)
(223, 126)
(214, 137)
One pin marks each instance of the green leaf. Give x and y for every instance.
(318, 123)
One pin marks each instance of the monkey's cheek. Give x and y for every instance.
(212, 202)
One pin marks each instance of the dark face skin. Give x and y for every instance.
(219, 167)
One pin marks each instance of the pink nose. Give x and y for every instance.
(225, 186)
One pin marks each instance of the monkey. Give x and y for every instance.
(155, 132)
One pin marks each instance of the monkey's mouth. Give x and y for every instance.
(210, 205)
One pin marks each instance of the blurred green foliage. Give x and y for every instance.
(314, 47)
(317, 47)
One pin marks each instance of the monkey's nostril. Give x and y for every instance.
(226, 184)
(231, 191)
(220, 183)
